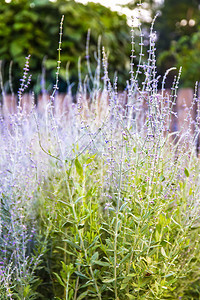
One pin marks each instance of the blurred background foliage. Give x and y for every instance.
(32, 27)
(178, 36)
(178, 43)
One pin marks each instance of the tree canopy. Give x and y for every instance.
(32, 27)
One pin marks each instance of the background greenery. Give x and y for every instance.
(32, 27)
(177, 45)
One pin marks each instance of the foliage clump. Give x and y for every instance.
(102, 201)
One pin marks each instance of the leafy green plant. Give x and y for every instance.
(141, 252)
(113, 194)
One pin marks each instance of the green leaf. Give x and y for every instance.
(118, 225)
(16, 296)
(123, 206)
(109, 280)
(175, 222)
(68, 224)
(101, 263)
(134, 149)
(125, 282)
(79, 199)
(157, 236)
(59, 279)
(95, 256)
(187, 174)
(170, 274)
(64, 202)
(27, 290)
(163, 252)
(82, 296)
(79, 168)
(81, 275)
(132, 275)
(91, 158)
(111, 208)
(125, 258)
(73, 244)
(131, 297)
(90, 193)
(65, 250)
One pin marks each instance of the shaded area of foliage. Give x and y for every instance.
(32, 27)
(178, 30)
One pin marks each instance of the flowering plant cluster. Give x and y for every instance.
(102, 201)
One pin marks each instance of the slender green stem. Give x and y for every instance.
(117, 219)
(67, 287)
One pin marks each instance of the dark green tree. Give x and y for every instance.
(32, 27)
